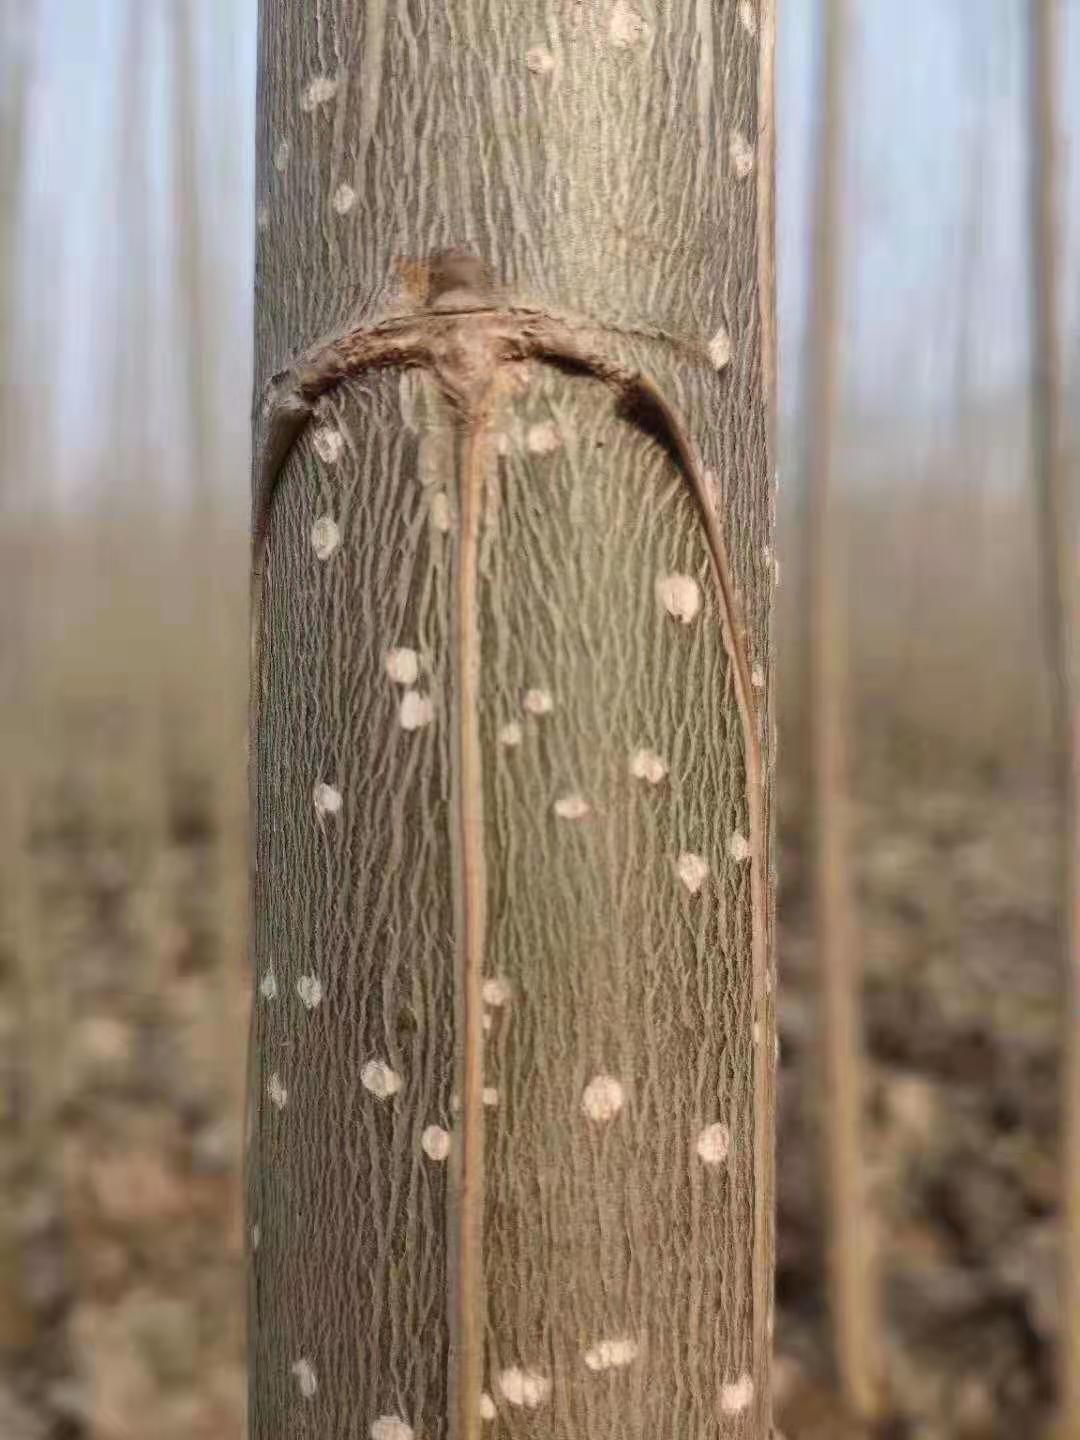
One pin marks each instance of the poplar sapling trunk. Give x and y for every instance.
(512, 1065)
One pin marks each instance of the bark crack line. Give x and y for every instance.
(462, 344)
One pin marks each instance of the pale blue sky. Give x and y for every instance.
(932, 81)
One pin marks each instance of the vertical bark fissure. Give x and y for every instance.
(470, 884)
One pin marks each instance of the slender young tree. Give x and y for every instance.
(850, 1261)
(1057, 563)
(511, 1089)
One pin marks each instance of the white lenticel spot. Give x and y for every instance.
(486, 1021)
(325, 537)
(256, 1236)
(611, 1354)
(441, 515)
(540, 60)
(268, 985)
(526, 1388)
(402, 665)
(490, 1096)
(380, 1079)
(691, 870)
(510, 734)
(276, 1090)
(739, 847)
(543, 438)
(309, 988)
(487, 1406)
(647, 765)
(713, 1144)
(602, 1098)
(757, 1033)
(747, 18)
(757, 678)
(736, 1395)
(281, 156)
(390, 1427)
(344, 199)
(304, 1374)
(435, 1142)
(327, 799)
(415, 710)
(680, 596)
(538, 702)
(329, 443)
(741, 153)
(318, 92)
(720, 349)
(627, 28)
(496, 991)
(571, 807)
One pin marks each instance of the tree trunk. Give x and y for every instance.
(511, 1090)
(1058, 566)
(850, 1260)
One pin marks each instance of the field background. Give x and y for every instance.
(127, 209)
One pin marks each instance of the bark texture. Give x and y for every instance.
(511, 1087)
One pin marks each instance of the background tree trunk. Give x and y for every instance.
(1058, 565)
(850, 1258)
(511, 1091)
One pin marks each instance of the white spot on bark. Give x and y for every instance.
(329, 443)
(256, 1236)
(309, 988)
(739, 847)
(543, 438)
(327, 799)
(611, 1354)
(276, 1090)
(628, 27)
(720, 349)
(281, 156)
(540, 60)
(487, 1406)
(305, 1377)
(714, 1143)
(510, 734)
(741, 153)
(757, 678)
(390, 1427)
(344, 199)
(571, 807)
(486, 1022)
(736, 1395)
(647, 765)
(497, 991)
(692, 871)
(538, 702)
(402, 665)
(262, 218)
(318, 92)
(268, 985)
(680, 596)
(527, 1388)
(441, 515)
(747, 18)
(435, 1142)
(756, 1032)
(490, 1096)
(776, 573)
(325, 537)
(602, 1098)
(415, 710)
(380, 1079)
